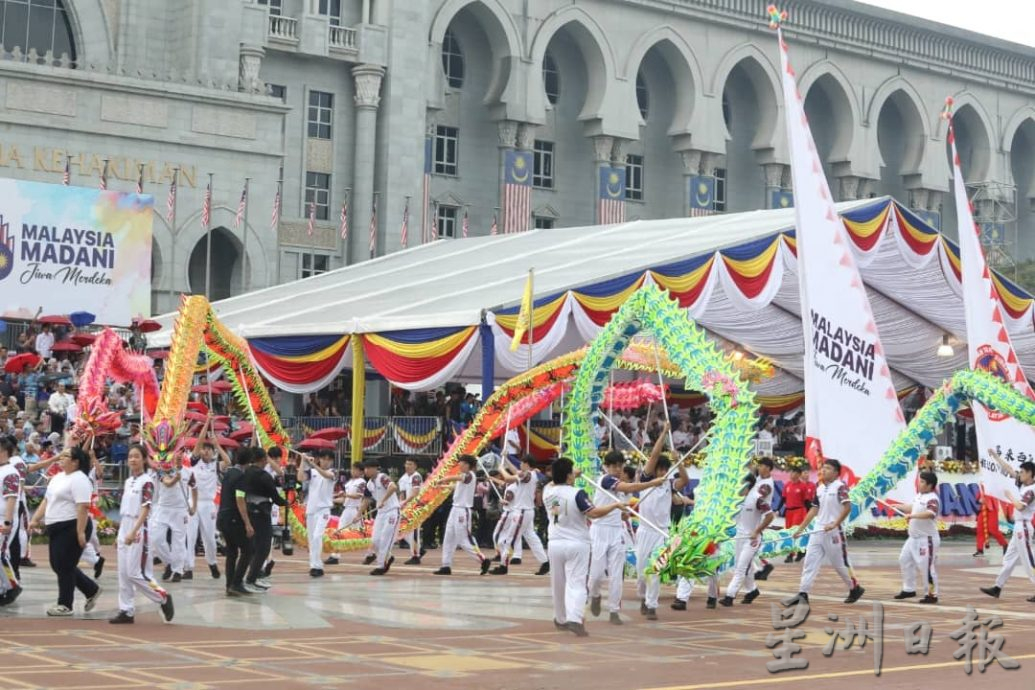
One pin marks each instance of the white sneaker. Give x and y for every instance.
(92, 601)
(59, 610)
(252, 589)
(264, 583)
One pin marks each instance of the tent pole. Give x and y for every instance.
(358, 395)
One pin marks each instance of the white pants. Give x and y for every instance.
(920, 554)
(744, 566)
(203, 520)
(1020, 550)
(685, 587)
(829, 547)
(458, 533)
(569, 566)
(175, 522)
(386, 526)
(22, 518)
(7, 579)
(648, 587)
(608, 560)
(519, 524)
(316, 524)
(135, 573)
(92, 552)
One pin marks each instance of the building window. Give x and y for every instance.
(446, 150)
(39, 24)
(318, 189)
(321, 111)
(720, 190)
(446, 217)
(642, 98)
(634, 177)
(543, 222)
(332, 10)
(452, 61)
(542, 164)
(275, 6)
(314, 264)
(551, 78)
(277, 91)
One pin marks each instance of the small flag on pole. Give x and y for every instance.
(206, 207)
(104, 176)
(434, 224)
(405, 233)
(240, 208)
(373, 229)
(343, 221)
(170, 201)
(494, 230)
(275, 216)
(466, 227)
(312, 218)
(524, 315)
(140, 179)
(67, 177)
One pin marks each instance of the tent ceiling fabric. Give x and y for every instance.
(747, 294)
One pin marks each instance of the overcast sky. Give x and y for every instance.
(1012, 20)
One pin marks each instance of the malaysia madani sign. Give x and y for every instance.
(66, 249)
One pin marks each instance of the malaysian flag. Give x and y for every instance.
(343, 220)
(702, 196)
(465, 229)
(373, 228)
(434, 223)
(140, 179)
(425, 192)
(206, 206)
(170, 201)
(611, 200)
(781, 198)
(104, 176)
(405, 232)
(517, 190)
(67, 177)
(275, 216)
(494, 229)
(239, 218)
(312, 218)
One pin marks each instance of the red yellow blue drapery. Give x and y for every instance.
(420, 359)
(300, 364)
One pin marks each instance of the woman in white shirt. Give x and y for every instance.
(65, 511)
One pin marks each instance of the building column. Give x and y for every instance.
(609, 169)
(927, 205)
(515, 143)
(778, 192)
(368, 89)
(699, 183)
(248, 77)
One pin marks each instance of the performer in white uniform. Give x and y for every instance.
(10, 490)
(518, 520)
(569, 511)
(385, 494)
(755, 514)
(833, 507)
(177, 501)
(409, 487)
(458, 526)
(352, 498)
(920, 552)
(205, 469)
(318, 504)
(1022, 542)
(655, 505)
(608, 536)
(135, 574)
(92, 552)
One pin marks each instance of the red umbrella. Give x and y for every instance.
(55, 320)
(220, 426)
(333, 433)
(84, 339)
(15, 364)
(197, 407)
(222, 418)
(195, 416)
(227, 442)
(158, 354)
(146, 325)
(66, 346)
(215, 388)
(313, 443)
(242, 433)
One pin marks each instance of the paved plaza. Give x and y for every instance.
(349, 630)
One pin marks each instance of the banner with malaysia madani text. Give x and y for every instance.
(66, 249)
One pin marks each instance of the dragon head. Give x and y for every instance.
(164, 440)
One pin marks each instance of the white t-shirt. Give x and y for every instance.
(409, 484)
(463, 494)
(520, 495)
(830, 497)
(512, 443)
(757, 504)
(206, 477)
(23, 470)
(656, 503)
(321, 493)
(566, 509)
(44, 344)
(378, 488)
(137, 492)
(64, 493)
(610, 484)
(10, 487)
(925, 527)
(59, 402)
(176, 497)
(1027, 497)
(356, 487)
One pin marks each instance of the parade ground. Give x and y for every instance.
(412, 629)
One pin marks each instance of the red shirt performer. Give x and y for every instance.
(798, 496)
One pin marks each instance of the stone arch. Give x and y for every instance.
(837, 89)
(191, 232)
(897, 132)
(91, 32)
(1020, 152)
(1016, 121)
(592, 43)
(764, 79)
(889, 88)
(974, 137)
(503, 38)
(681, 61)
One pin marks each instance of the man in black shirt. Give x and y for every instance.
(260, 495)
(235, 525)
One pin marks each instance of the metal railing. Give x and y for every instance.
(283, 28)
(383, 435)
(341, 38)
